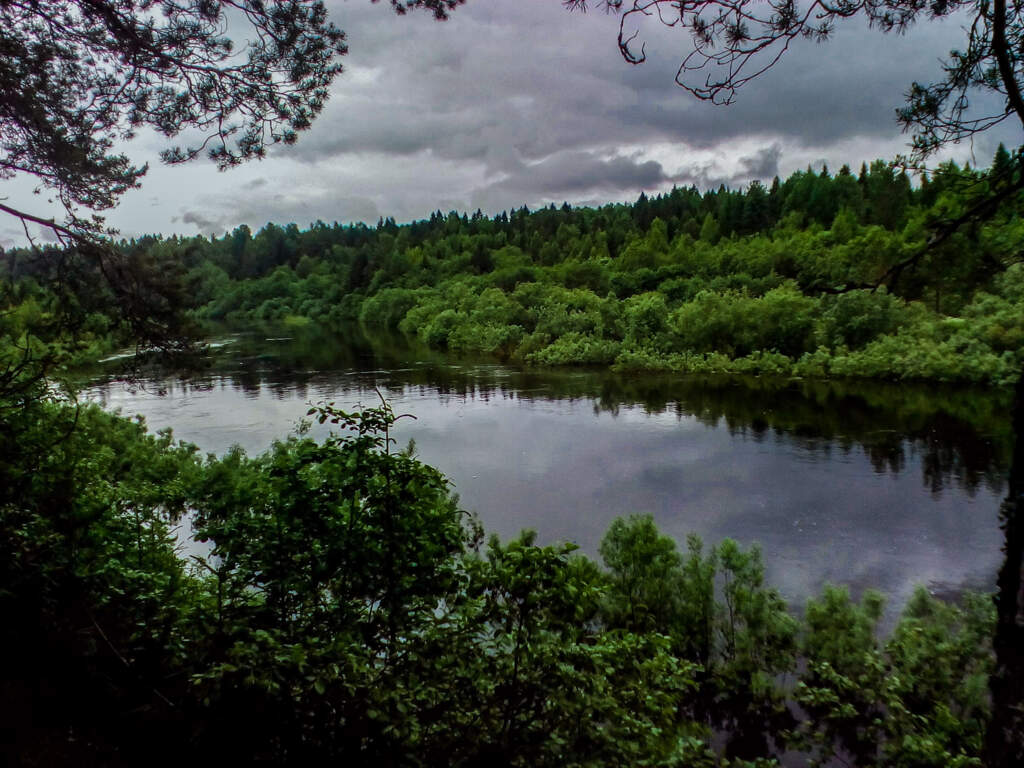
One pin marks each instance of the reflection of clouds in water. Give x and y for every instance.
(822, 509)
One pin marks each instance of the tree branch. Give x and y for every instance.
(60, 230)
(1001, 50)
(981, 210)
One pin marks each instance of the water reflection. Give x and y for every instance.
(868, 484)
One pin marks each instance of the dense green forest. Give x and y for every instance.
(818, 275)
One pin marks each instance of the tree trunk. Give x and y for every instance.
(1005, 741)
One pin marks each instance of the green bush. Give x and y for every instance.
(854, 319)
(576, 348)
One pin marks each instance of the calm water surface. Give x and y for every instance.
(870, 485)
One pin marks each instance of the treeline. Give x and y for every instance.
(345, 608)
(818, 275)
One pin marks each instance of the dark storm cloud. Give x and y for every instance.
(535, 77)
(816, 94)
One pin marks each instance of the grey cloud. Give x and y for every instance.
(817, 93)
(583, 177)
(703, 175)
(351, 208)
(9, 237)
(573, 175)
(206, 224)
(326, 207)
(396, 128)
(229, 211)
(763, 164)
(576, 172)
(539, 79)
(47, 235)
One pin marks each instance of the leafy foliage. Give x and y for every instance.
(627, 286)
(634, 286)
(344, 606)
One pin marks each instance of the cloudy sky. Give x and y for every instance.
(515, 102)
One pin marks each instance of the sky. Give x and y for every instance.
(520, 102)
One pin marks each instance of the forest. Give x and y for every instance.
(816, 276)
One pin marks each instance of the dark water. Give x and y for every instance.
(866, 484)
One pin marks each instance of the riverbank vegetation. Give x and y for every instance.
(820, 275)
(345, 607)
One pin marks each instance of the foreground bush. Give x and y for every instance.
(346, 609)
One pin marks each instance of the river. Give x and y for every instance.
(866, 484)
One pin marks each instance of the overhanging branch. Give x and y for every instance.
(1001, 50)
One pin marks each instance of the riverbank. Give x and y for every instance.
(564, 451)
